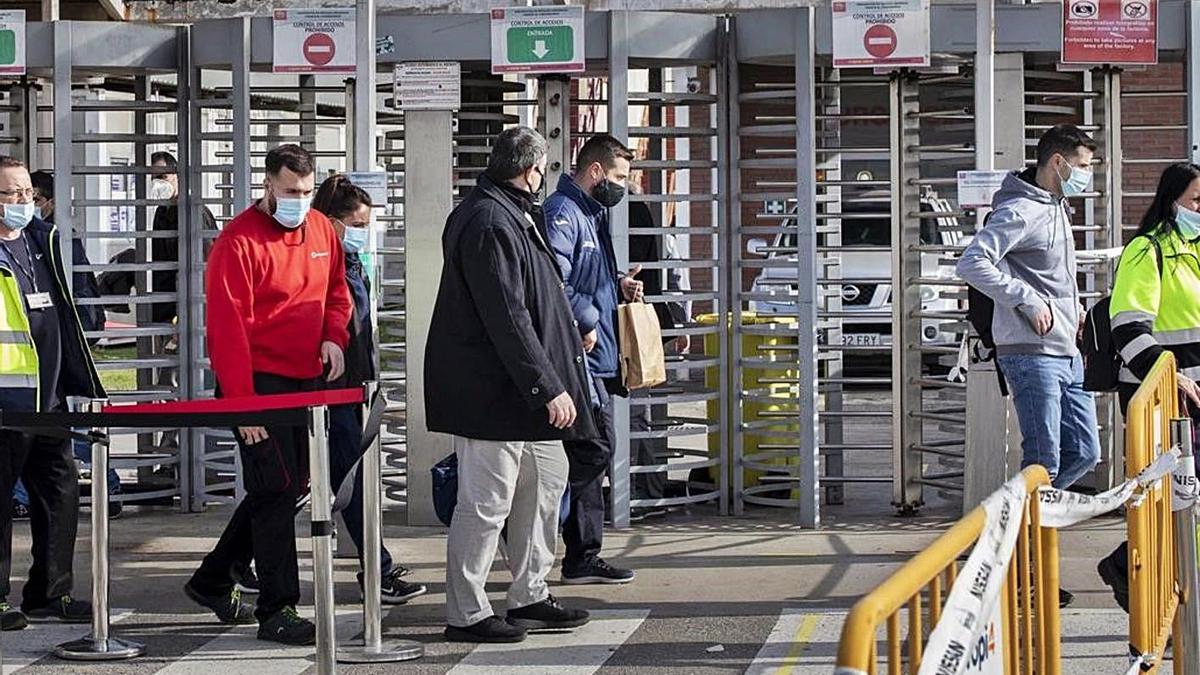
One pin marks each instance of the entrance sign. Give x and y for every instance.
(976, 188)
(537, 40)
(12, 42)
(428, 85)
(314, 40)
(869, 33)
(1110, 31)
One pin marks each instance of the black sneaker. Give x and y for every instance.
(596, 571)
(548, 614)
(491, 629)
(393, 590)
(1065, 598)
(1112, 576)
(20, 511)
(115, 509)
(287, 627)
(11, 618)
(228, 607)
(63, 610)
(244, 579)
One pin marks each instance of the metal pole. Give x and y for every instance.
(1193, 79)
(372, 649)
(99, 646)
(985, 85)
(1187, 619)
(322, 538)
(618, 125)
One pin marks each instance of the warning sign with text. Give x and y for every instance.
(428, 85)
(314, 41)
(12, 42)
(871, 33)
(1110, 31)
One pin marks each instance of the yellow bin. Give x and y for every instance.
(758, 346)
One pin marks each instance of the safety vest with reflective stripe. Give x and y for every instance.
(1152, 310)
(19, 365)
(18, 357)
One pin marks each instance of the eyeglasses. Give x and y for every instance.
(20, 192)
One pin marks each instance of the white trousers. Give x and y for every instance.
(520, 483)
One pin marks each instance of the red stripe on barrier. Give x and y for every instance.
(245, 403)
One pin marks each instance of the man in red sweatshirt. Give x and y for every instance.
(278, 308)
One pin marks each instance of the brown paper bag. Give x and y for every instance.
(642, 361)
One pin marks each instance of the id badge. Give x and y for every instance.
(39, 300)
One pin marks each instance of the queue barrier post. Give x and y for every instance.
(100, 645)
(322, 538)
(1187, 620)
(373, 649)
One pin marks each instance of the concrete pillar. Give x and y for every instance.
(429, 199)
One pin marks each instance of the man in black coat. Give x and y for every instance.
(505, 376)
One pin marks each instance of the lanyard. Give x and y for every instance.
(30, 273)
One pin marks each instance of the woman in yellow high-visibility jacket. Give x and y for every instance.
(1155, 307)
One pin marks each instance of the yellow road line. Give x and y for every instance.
(799, 643)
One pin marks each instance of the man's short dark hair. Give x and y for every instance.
(294, 157)
(43, 182)
(1065, 140)
(166, 158)
(514, 151)
(603, 149)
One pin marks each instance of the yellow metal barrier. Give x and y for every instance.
(1027, 638)
(1153, 591)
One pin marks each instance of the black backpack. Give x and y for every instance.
(1101, 359)
(979, 314)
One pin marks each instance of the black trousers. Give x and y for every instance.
(583, 531)
(47, 467)
(275, 475)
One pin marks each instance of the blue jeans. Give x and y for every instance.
(83, 452)
(345, 443)
(1057, 417)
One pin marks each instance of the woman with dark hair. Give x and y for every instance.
(348, 208)
(1155, 306)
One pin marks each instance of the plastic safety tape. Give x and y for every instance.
(1060, 508)
(977, 590)
(1183, 486)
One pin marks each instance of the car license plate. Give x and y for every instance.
(862, 340)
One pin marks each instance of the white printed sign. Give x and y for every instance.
(12, 42)
(314, 40)
(976, 188)
(374, 183)
(428, 85)
(870, 33)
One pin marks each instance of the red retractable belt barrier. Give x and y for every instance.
(271, 410)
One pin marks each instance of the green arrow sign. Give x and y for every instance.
(546, 44)
(8, 47)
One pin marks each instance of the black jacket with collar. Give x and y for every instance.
(502, 341)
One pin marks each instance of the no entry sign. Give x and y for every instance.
(314, 40)
(1110, 31)
(870, 33)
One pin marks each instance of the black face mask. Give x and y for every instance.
(608, 193)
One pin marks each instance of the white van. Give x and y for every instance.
(868, 291)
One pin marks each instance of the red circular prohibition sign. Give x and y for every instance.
(880, 41)
(319, 49)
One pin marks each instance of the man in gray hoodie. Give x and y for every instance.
(1024, 260)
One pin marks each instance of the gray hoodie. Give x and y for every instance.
(1024, 260)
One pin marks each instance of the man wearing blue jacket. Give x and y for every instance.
(580, 233)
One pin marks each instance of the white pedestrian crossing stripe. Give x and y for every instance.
(23, 648)
(790, 648)
(579, 652)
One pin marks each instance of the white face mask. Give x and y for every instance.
(161, 190)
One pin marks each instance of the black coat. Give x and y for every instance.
(502, 341)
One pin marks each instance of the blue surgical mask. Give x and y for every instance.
(17, 216)
(1188, 222)
(290, 211)
(354, 239)
(1077, 182)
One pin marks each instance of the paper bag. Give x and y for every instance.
(642, 361)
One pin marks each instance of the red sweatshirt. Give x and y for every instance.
(274, 295)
